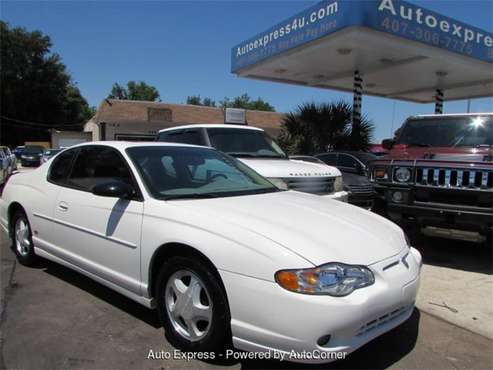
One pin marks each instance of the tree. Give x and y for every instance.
(134, 91)
(244, 101)
(37, 92)
(314, 128)
(197, 100)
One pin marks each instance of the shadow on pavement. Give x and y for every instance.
(455, 254)
(378, 354)
(100, 291)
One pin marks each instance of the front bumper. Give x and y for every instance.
(340, 195)
(30, 162)
(292, 323)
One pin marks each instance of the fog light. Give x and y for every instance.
(323, 341)
(397, 196)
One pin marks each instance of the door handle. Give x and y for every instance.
(62, 206)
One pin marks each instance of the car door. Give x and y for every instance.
(100, 234)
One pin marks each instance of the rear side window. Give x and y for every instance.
(192, 136)
(60, 168)
(347, 161)
(96, 165)
(330, 159)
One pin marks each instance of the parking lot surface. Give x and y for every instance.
(54, 318)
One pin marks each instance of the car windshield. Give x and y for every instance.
(188, 172)
(472, 131)
(33, 150)
(245, 143)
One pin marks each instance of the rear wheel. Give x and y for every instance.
(22, 239)
(192, 306)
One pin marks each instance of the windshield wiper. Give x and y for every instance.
(189, 196)
(241, 154)
(419, 145)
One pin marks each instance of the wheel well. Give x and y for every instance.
(169, 250)
(13, 208)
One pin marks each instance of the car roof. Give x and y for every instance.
(209, 125)
(447, 115)
(122, 145)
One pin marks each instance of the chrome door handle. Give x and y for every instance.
(62, 206)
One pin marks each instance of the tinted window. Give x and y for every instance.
(244, 142)
(96, 165)
(330, 158)
(347, 161)
(180, 172)
(60, 167)
(181, 136)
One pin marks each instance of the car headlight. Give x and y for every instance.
(279, 183)
(338, 184)
(23, 156)
(402, 174)
(334, 279)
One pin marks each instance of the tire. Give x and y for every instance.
(22, 242)
(186, 327)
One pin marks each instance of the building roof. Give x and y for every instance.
(403, 51)
(131, 111)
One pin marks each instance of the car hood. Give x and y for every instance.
(465, 154)
(319, 230)
(289, 168)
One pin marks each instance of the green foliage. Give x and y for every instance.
(197, 100)
(134, 91)
(313, 128)
(37, 92)
(244, 101)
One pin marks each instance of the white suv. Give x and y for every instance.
(256, 149)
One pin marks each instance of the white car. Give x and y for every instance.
(218, 250)
(255, 148)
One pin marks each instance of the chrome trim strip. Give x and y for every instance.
(87, 231)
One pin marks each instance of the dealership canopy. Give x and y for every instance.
(386, 48)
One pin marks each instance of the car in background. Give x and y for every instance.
(253, 147)
(354, 168)
(438, 176)
(18, 151)
(11, 159)
(4, 163)
(31, 156)
(49, 153)
(222, 254)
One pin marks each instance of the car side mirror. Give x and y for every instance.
(113, 189)
(388, 143)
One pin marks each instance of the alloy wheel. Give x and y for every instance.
(22, 237)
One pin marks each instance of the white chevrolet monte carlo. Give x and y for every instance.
(218, 250)
(254, 147)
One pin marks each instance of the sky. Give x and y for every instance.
(183, 48)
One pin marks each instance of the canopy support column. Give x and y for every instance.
(439, 101)
(357, 94)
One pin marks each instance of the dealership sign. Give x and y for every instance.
(394, 17)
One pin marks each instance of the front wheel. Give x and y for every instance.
(22, 241)
(192, 306)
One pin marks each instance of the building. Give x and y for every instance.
(141, 120)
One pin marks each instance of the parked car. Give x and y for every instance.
(438, 176)
(257, 150)
(31, 156)
(48, 154)
(208, 242)
(10, 159)
(354, 168)
(18, 151)
(4, 164)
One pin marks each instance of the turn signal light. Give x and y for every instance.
(288, 280)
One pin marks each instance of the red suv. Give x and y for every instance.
(438, 175)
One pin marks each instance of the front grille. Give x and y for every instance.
(313, 185)
(382, 320)
(361, 189)
(455, 178)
